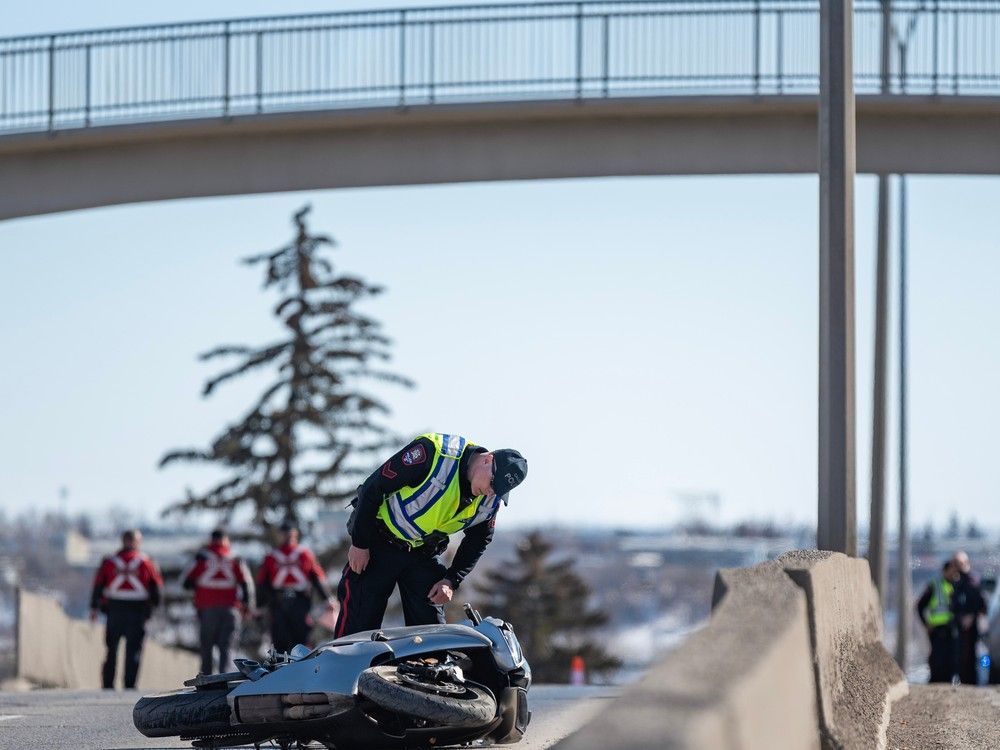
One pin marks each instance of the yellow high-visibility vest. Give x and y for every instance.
(938, 610)
(434, 504)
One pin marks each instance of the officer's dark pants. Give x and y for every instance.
(289, 620)
(968, 671)
(942, 656)
(216, 626)
(125, 620)
(363, 597)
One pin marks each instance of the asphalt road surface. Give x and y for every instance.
(945, 717)
(94, 720)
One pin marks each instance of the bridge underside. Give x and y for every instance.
(41, 173)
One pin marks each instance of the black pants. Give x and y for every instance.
(216, 628)
(968, 668)
(363, 597)
(125, 620)
(942, 656)
(289, 619)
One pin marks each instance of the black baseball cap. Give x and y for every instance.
(509, 470)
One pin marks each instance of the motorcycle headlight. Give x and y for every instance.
(513, 644)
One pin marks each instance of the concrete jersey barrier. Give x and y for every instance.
(791, 659)
(856, 678)
(743, 681)
(54, 650)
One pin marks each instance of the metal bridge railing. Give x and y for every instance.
(424, 56)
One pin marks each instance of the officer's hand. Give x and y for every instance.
(441, 592)
(93, 615)
(358, 558)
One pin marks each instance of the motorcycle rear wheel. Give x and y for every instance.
(187, 712)
(475, 708)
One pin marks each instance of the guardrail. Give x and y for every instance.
(403, 57)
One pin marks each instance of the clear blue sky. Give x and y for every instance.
(659, 333)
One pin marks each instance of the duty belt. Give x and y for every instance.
(431, 544)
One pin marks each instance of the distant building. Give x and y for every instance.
(76, 548)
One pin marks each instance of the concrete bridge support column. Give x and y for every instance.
(836, 526)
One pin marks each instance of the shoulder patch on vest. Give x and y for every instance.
(416, 455)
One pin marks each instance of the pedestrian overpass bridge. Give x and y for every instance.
(478, 93)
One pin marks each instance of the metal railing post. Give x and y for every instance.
(954, 18)
(779, 42)
(259, 72)
(52, 81)
(86, 96)
(433, 29)
(756, 46)
(402, 58)
(225, 71)
(902, 69)
(579, 50)
(934, 74)
(605, 54)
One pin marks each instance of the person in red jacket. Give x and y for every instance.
(222, 586)
(126, 588)
(285, 583)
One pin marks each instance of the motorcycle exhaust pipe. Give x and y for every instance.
(308, 712)
(300, 699)
(306, 706)
(264, 709)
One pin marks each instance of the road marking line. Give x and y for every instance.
(8, 718)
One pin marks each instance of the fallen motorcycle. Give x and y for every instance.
(422, 686)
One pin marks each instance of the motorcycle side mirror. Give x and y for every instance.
(472, 614)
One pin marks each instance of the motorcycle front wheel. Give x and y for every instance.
(475, 707)
(187, 712)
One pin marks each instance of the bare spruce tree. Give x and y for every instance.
(313, 434)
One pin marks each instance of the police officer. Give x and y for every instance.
(404, 512)
(126, 588)
(967, 603)
(285, 583)
(935, 610)
(222, 586)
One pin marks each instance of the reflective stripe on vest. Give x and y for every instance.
(487, 509)
(434, 505)
(289, 575)
(218, 573)
(939, 607)
(126, 586)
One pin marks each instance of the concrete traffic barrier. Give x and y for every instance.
(55, 650)
(856, 678)
(791, 659)
(743, 681)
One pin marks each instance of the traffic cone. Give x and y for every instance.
(577, 671)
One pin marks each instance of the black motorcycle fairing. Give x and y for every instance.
(408, 633)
